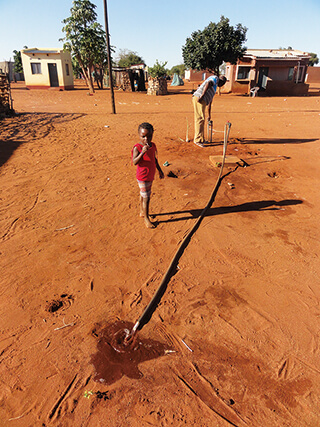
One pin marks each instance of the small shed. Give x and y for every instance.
(273, 72)
(130, 79)
(47, 68)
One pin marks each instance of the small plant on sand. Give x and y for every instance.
(157, 83)
(158, 70)
(88, 393)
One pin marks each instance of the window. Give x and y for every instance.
(243, 72)
(290, 75)
(67, 70)
(297, 75)
(36, 68)
(301, 73)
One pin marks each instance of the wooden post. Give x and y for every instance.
(109, 56)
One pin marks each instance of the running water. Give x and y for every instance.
(123, 340)
(118, 354)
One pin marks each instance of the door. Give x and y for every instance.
(53, 75)
(262, 79)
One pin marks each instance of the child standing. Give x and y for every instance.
(144, 156)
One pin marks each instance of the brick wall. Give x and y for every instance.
(5, 94)
(157, 86)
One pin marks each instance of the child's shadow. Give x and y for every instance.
(263, 205)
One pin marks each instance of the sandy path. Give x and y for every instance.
(74, 252)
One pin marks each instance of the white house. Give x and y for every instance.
(47, 68)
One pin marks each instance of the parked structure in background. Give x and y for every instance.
(269, 72)
(177, 80)
(7, 67)
(130, 79)
(47, 68)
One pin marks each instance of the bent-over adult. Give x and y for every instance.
(201, 99)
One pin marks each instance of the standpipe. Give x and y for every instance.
(149, 310)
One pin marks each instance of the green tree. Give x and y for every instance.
(85, 39)
(18, 68)
(76, 67)
(100, 57)
(158, 70)
(126, 58)
(179, 69)
(313, 60)
(207, 49)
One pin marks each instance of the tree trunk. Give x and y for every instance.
(86, 75)
(91, 87)
(98, 77)
(101, 80)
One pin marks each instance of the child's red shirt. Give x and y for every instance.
(146, 168)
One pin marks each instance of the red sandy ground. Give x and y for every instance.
(245, 298)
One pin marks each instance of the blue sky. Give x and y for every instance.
(158, 29)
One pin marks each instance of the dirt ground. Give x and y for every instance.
(239, 322)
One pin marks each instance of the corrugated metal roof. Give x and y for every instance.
(47, 51)
(276, 53)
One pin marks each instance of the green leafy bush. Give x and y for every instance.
(158, 70)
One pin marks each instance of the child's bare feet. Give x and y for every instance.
(148, 223)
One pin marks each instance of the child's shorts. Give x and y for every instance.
(145, 188)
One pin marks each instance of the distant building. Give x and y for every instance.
(7, 67)
(47, 68)
(197, 76)
(313, 75)
(270, 71)
(274, 72)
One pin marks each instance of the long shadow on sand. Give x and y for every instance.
(263, 205)
(260, 206)
(7, 148)
(28, 127)
(245, 141)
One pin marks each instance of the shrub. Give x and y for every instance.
(158, 70)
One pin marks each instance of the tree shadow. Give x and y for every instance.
(46, 118)
(27, 127)
(257, 206)
(7, 148)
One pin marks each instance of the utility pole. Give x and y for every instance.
(109, 56)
